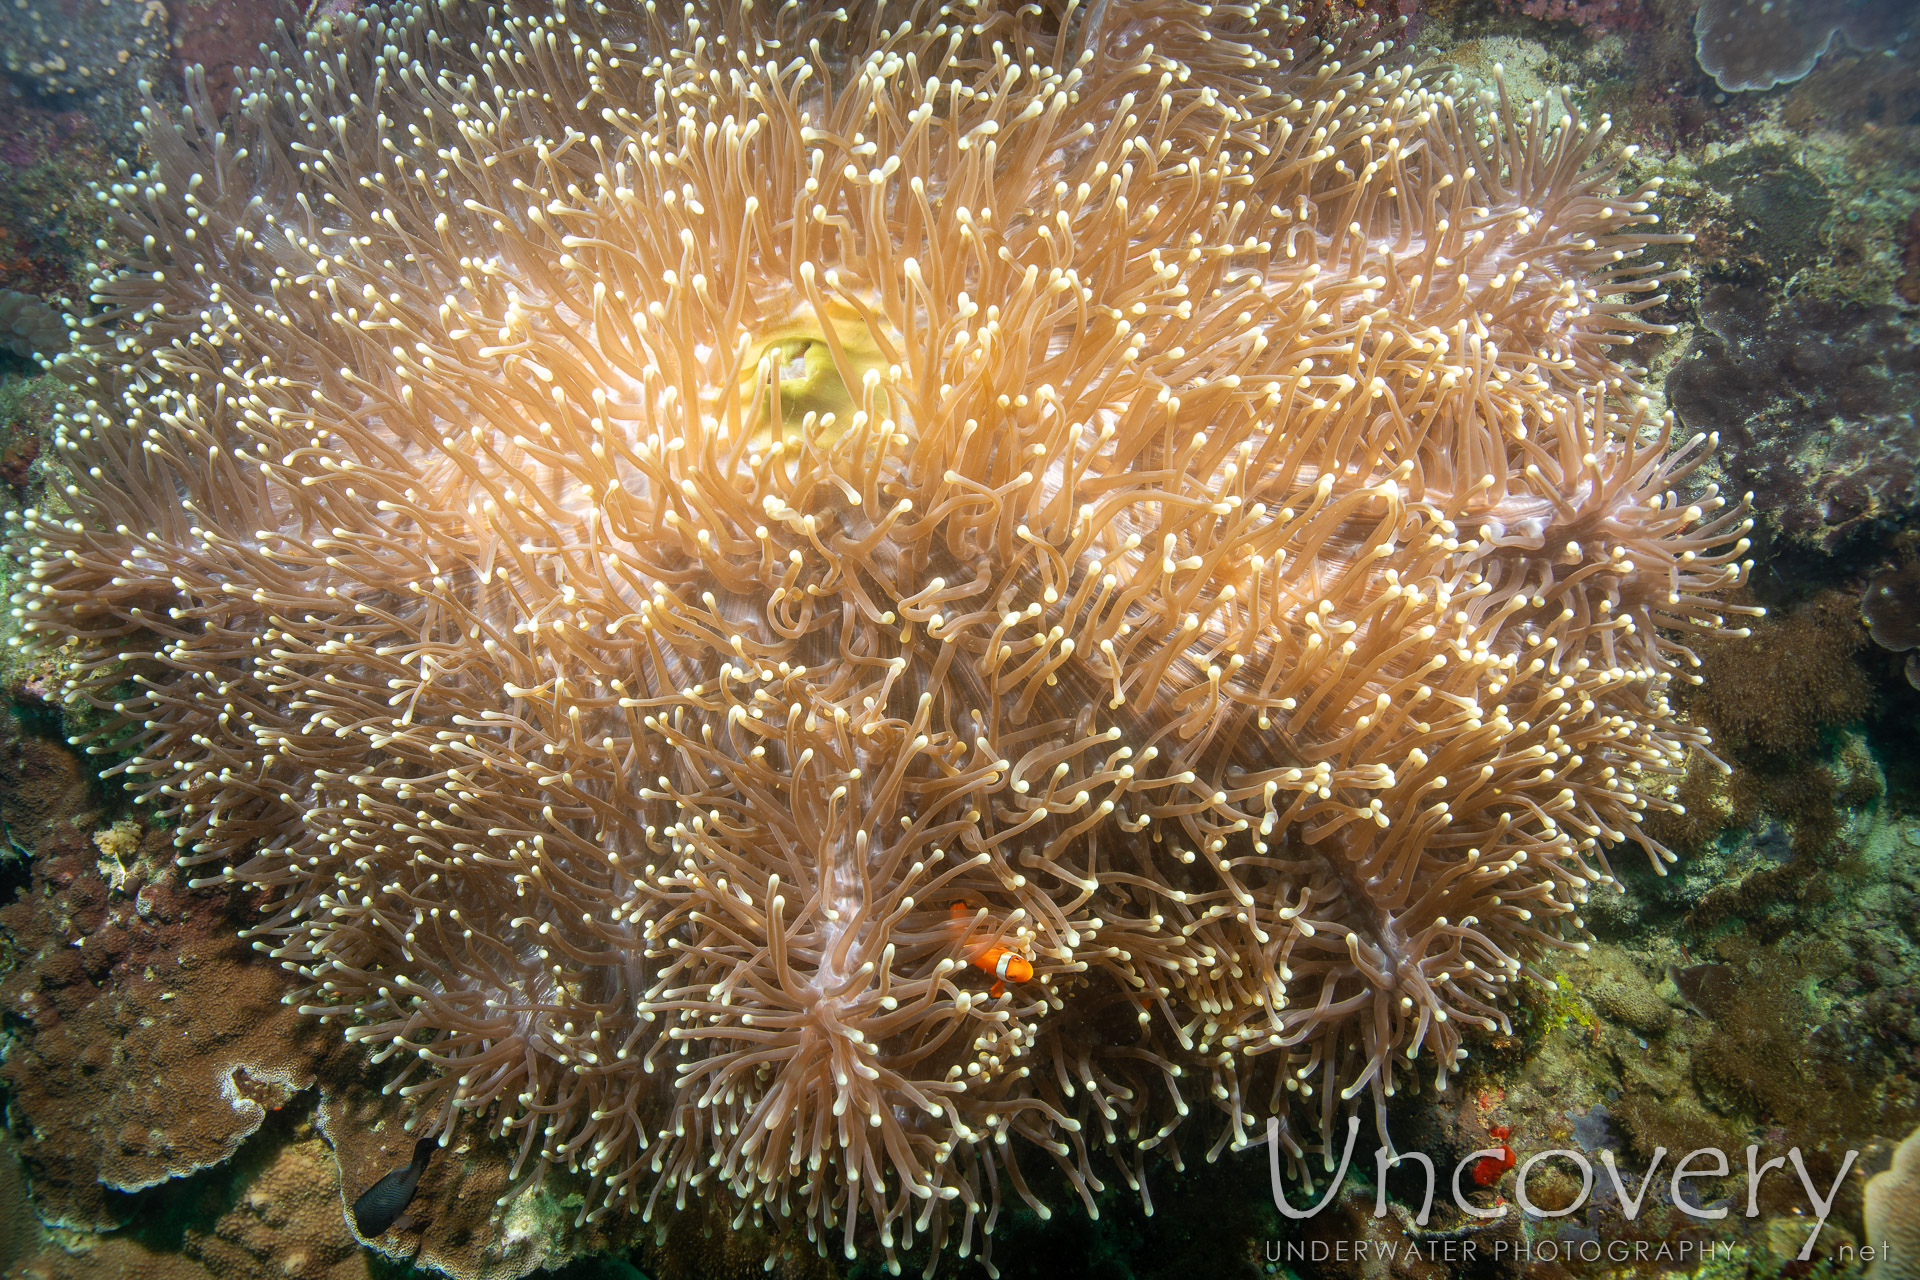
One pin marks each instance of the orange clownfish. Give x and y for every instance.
(1005, 966)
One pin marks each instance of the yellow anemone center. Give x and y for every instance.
(795, 375)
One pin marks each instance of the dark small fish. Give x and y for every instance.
(381, 1204)
(1713, 989)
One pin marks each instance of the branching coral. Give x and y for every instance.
(675, 553)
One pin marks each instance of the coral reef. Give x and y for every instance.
(649, 685)
(1766, 835)
(1788, 945)
(274, 1215)
(1622, 993)
(147, 1042)
(1782, 1045)
(1815, 403)
(50, 223)
(1760, 993)
(286, 1225)
(1811, 803)
(1591, 16)
(1845, 127)
(20, 1230)
(465, 1222)
(1774, 220)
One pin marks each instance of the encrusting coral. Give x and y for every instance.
(830, 602)
(29, 326)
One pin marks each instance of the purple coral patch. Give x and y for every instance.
(1593, 16)
(1757, 44)
(1891, 606)
(1593, 1129)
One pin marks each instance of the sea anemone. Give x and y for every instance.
(829, 602)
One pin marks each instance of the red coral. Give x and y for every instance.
(1487, 1170)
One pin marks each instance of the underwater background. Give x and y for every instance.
(168, 1116)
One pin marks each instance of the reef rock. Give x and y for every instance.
(1815, 403)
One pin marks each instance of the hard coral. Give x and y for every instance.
(1816, 406)
(1891, 606)
(1757, 44)
(1893, 1213)
(116, 1257)
(272, 1214)
(1773, 222)
(20, 1227)
(1620, 991)
(145, 1045)
(285, 1224)
(821, 603)
(29, 327)
(463, 1222)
